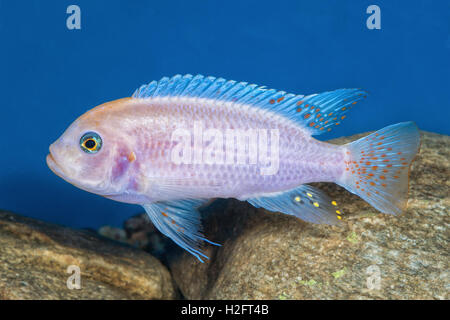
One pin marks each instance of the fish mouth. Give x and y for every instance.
(56, 169)
(51, 163)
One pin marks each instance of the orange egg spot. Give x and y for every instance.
(311, 124)
(164, 214)
(343, 108)
(299, 102)
(272, 101)
(396, 177)
(399, 153)
(404, 163)
(384, 185)
(382, 177)
(354, 102)
(330, 114)
(374, 158)
(307, 115)
(370, 174)
(306, 105)
(346, 169)
(385, 170)
(280, 99)
(374, 167)
(386, 160)
(299, 109)
(343, 117)
(372, 183)
(389, 149)
(368, 163)
(389, 165)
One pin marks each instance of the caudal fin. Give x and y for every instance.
(377, 166)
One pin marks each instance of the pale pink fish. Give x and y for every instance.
(183, 140)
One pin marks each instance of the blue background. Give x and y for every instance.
(49, 75)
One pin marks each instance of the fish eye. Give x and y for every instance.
(90, 142)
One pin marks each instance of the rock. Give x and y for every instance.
(138, 231)
(373, 256)
(116, 234)
(35, 256)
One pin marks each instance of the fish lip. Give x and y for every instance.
(54, 167)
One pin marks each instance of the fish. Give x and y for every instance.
(179, 142)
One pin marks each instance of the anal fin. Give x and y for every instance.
(304, 202)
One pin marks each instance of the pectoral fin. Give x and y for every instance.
(180, 221)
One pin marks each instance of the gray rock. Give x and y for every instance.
(274, 256)
(35, 256)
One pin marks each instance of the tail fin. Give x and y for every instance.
(377, 166)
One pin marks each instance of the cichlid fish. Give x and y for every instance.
(180, 141)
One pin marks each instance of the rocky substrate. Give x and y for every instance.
(263, 255)
(36, 260)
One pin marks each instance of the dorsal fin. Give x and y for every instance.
(317, 113)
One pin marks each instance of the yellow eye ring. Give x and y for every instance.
(90, 142)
